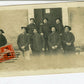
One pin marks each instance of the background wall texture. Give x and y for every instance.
(76, 21)
(11, 22)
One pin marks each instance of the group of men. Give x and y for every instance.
(46, 38)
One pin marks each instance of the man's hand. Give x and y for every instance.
(41, 34)
(23, 47)
(53, 47)
(68, 44)
(43, 49)
(56, 46)
(41, 23)
(60, 34)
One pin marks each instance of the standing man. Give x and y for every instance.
(59, 27)
(31, 26)
(36, 43)
(3, 40)
(68, 40)
(23, 42)
(45, 30)
(42, 42)
(53, 41)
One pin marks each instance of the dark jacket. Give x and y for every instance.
(45, 29)
(23, 40)
(68, 37)
(59, 28)
(42, 41)
(37, 42)
(30, 28)
(3, 40)
(53, 39)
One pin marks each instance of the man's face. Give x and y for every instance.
(45, 21)
(31, 21)
(66, 29)
(57, 21)
(0, 32)
(35, 31)
(42, 34)
(53, 29)
(23, 30)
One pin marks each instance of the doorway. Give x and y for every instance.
(51, 14)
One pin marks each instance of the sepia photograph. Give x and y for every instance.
(41, 39)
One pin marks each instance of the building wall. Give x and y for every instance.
(13, 17)
(11, 22)
(76, 21)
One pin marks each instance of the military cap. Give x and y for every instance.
(23, 27)
(58, 19)
(1, 30)
(68, 27)
(32, 19)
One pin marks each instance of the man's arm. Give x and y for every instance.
(18, 41)
(72, 38)
(49, 41)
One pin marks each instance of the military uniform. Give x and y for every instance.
(3, 40)
(23, 40)
(42, 42)
(45, 29)
(53, 40)
(37, 43)
(59, 28)
(68, 38)
(31, 27)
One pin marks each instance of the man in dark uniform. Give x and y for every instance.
(42, 42)
(23, 42)
(54, 41)
(31, 26)
(59, 27)
(37, 43)
(3, 40)
(68, 40)
(45, 30)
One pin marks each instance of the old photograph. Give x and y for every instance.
(45, 39)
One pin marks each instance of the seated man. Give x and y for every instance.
(68, 40)
(54, 41)
(23, 42)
